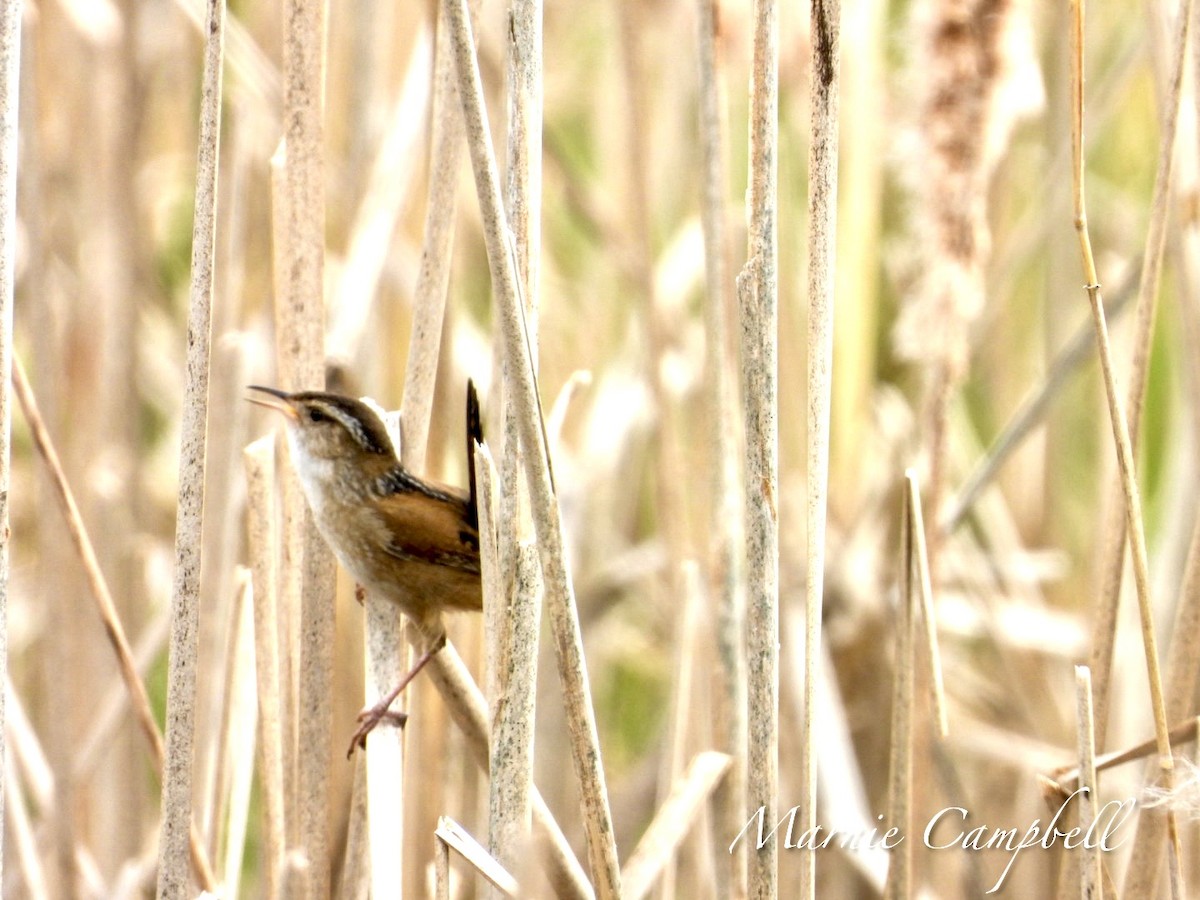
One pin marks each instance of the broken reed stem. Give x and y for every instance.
(1120, 428)
(822, 245)
(301, 310)
(174, 845)
(1089, 858)
(672, 822)
(725, 517)
(560, 600)
(453, 836)
(103, 597)
(758, 299)
(1113, 549)
(10, 67)
(259, 459)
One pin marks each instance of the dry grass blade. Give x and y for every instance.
(585, 743)
(928, 612)
(672, 822)
(456, 837)
(1031, 413)
(175, 831)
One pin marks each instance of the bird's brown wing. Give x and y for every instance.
(430, 523)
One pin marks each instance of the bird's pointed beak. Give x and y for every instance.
(276, 399)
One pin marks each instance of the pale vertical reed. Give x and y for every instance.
(173, 855)
(824, 82)
(516, 599)
(726, 507)
(758, 299)
(301, 341)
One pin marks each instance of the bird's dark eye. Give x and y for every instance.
(315, 415)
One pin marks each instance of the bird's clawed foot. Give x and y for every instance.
(370, 718)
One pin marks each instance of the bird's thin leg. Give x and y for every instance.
(369, 718)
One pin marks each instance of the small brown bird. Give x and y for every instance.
(413, 541)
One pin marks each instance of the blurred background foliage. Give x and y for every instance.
(108, 130)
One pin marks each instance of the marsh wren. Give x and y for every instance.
(413, 541)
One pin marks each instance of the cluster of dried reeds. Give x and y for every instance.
(734, 631)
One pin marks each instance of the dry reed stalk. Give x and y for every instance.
(1114, 537)
(259, 461)
(663, 837)
(726, 512)
(1183, 665)
(822, 246)
(900, 763)
(455, 837)
(1089, 859)
(173, 858)
(301, 310)
(1134, 524)
(585, 745)
(513, 635)
(758, 299)
(10, 68)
